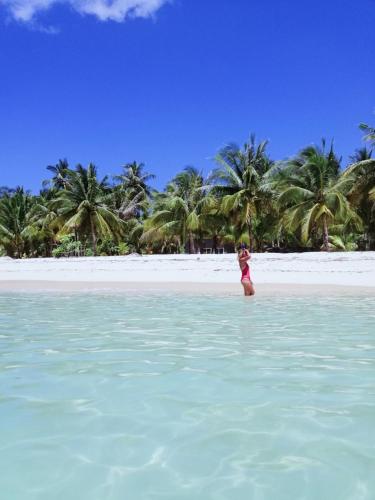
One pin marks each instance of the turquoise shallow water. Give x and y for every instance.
(110, 397)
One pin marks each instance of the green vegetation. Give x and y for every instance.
(309, 202)
(314, 196)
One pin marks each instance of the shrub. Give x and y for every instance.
(123, 248)
(67, 246)
(107, 247)
(58, 252)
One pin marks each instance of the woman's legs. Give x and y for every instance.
(248, 288)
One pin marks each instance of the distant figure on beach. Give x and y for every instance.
(243, 259)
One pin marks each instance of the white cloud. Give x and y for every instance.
(114, 10)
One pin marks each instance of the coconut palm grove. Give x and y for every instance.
(309, 202)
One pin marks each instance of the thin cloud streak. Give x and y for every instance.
(105, 10)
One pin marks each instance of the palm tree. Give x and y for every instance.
(361, 154)
(14, 209)
(128, 203)
(313, 194)
(243, 181)
(132, 193)
(60, 173)
(213, 224)
(84, 208)
(369, 132)
(44, 222)
(362, 194)
(135, 179)
(177, 210)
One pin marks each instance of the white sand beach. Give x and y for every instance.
(298, 273)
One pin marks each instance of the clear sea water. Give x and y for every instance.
(147, 397)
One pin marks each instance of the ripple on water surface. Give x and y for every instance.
(175, 397)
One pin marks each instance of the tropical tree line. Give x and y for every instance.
(309, 202)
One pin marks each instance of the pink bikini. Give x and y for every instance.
(246, 273)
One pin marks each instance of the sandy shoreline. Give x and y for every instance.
(262, 289)
(312, 273)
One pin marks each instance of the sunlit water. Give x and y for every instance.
(110, 397)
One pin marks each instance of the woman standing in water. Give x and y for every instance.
(243, 259)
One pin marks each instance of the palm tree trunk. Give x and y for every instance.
(93, 235)
(250, 232)
(191, 243)
(259, 245)
(48, 251)
(214, 243)
(325, 234)
(19, 248)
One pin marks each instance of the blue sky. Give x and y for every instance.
(170, 82)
